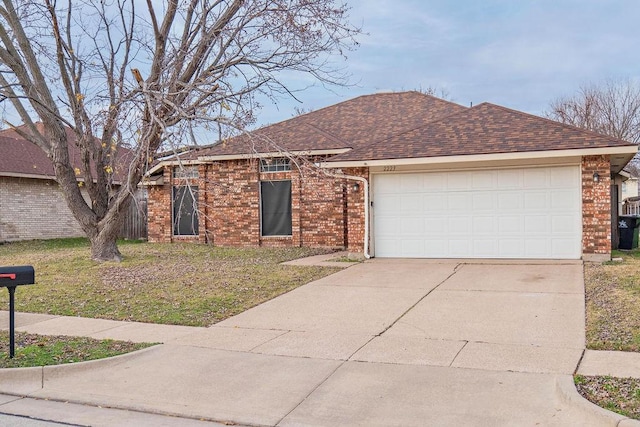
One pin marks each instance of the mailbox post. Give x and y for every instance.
(10, 277)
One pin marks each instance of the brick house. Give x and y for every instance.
(398, 175)
(32, 205)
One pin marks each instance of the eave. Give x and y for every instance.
(42, 177)
(245, 156)
(620, 156)
(327, 152)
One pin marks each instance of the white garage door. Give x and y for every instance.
(506, 213)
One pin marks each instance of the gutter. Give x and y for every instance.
(628, 150)
(282, 153)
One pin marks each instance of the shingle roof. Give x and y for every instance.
(349, 124)
(483, 129)
(21, 157)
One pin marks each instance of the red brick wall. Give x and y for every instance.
(326, 211)
(232, 203)
(596, 206)
(322, 210)
(356, 210)
(159, 211)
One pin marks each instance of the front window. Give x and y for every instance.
(185, 211)
(275, 206)
(278, 164)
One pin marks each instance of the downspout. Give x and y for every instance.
(365, 186)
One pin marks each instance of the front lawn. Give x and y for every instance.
(182, 284)
(613, 303)
(621, 395)
(613, 323)
(44, 350)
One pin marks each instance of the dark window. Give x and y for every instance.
(185, 211)
(275, 199)
(279, 164)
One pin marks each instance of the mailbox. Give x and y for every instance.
(10, 278)
(18, 275)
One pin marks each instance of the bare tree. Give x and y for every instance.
(438, 92)
(148, 76)
(300, 111)
(612, 108)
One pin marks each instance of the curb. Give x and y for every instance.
(568, 394)
(324, 260)
(55, 371)
(23, 381)
(20, 381)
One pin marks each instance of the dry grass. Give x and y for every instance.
(43, 350)
(621, 395)
(613, 323)
(613, 304)
(183, 284)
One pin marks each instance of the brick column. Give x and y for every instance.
(355, 205)
(159, 210)
(596, 209)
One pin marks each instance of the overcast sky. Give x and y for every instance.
(519, 54)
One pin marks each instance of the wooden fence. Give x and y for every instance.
(135, 223)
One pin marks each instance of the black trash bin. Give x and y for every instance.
(628, 231)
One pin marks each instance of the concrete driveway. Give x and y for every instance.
(385, 342)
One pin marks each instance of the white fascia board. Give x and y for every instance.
(483, 157)
(27, 175)
(624, 174)
(42, 177)
(273, 154)
(152, 182)
(164, 163)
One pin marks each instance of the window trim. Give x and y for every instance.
(186, 172)
(275, 164)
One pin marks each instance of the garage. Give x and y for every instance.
(530, 212)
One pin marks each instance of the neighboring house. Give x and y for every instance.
(629, 187)
(399, 175)
(32, 205)
(629, 202)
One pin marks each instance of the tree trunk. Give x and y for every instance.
(104, 247)
(103, 236)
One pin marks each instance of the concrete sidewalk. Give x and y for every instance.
(385, 342)
(30, 412)
(46, 324)
(594, 362)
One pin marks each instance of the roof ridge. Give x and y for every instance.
(425, 124)
(303, 116)
(306, 120)
(326, 133)
(369, 95)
